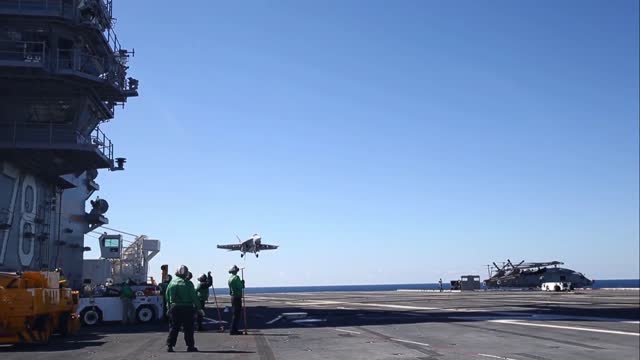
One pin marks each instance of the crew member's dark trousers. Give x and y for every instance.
(181, 316)
(236, 303)
(165, 316)
(200, 317)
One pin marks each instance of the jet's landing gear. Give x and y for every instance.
(256, 254)
(241, 255)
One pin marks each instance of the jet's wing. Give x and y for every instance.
(230, 247)
(268, 247)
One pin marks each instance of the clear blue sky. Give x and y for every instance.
(381, 142)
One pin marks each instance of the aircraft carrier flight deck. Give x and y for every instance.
(525, 325)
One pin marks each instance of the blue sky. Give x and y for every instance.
(381, 142)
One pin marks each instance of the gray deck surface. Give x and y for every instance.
(598, 324)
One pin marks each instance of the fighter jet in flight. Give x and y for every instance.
(252, 245)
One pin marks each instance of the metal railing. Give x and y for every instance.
(112, 40)
(119, 77)
(112, 68)
(102, 143)
(76, 60)
(112, 72)
(100, 10)
(62, 8)
(48, 133)
(101, 13)
(27, 52)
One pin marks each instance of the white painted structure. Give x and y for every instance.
(94, 310)
(556, 286)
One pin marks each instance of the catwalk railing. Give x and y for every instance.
(52, 136)
(23, 53)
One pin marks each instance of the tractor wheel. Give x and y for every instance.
(42, 330)
(69, 324)
(91, 316)
(145, 314)
(45, 336)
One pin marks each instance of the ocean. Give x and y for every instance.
(624, 283)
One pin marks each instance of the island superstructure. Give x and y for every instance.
(63, 72)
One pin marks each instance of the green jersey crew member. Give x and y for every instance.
(163, 293)
(126, 296)
(204, 283)
(236, 287)
(182, 302)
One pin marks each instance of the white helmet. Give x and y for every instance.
(182, 272)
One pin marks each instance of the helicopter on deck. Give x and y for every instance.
(533, 275)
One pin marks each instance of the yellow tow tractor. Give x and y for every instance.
(34, 305)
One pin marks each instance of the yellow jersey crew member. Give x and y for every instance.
(182, 303)
(236, 287)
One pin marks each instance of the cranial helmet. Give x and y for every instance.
(182, 272)
(202, 278)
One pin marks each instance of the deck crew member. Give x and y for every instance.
(181, 302)
(163, 292)
(128, 310)
(204, 283)
(236, 287)
(191, 285)
(62, 280)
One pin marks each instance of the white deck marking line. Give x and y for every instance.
(391, 306)
(315, 302)
(465, 310)
(496, 357)
(414, 314)
(410, 342)
(320, 302)
(213, 321)
(525, 301)
(268, 298)
(519, 322)
(395, 306)
(277, 318)
(348, 331)
(489, 318)
(501, 315)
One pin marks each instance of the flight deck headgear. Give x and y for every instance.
(182, 272)
(233, 270)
